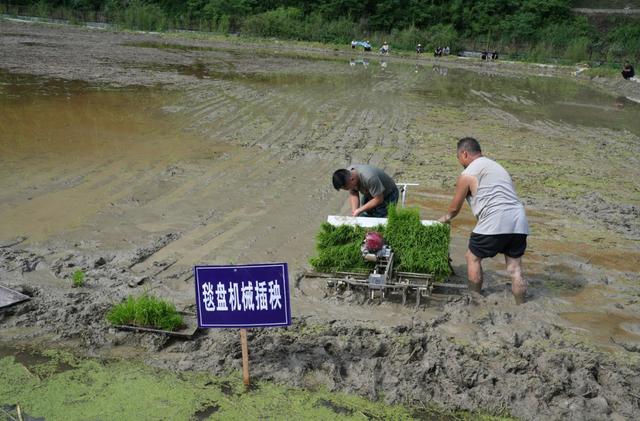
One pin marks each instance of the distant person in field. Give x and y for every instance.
(502, 225)
(370, 189)
(384, 49)
(627, 71)
(419, 49)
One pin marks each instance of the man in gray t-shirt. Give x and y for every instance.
(370, 189)
(502, 224)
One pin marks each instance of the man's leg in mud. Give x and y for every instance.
(518, 283)
(474, 271)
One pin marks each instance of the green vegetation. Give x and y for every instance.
(417, 248)
(339, 249)
(78, 278)
(146, 311)
(83, 389)
(534, 30)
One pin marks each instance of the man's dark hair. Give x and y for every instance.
(470, 145)
(340, 178)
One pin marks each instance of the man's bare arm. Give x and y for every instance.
(463, 188)
(375, 201)
(354, 201)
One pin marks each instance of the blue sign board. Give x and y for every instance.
(243, 296)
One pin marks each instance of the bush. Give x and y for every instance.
(146, 311)
(145, 17)
(442, 36)
(578, 49)
(41, 9)
(316, 28)
(417, 248)
(624, 42)
(560, 36)
(223, 24)
(409, 37)
(281, 22)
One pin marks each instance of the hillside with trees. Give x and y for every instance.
(536, 30)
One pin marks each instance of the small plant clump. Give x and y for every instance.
(78, 278)
(417, 248)
(146, 311)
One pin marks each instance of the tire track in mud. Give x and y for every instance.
(231, 234)
(227, 123)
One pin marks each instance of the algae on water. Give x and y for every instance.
(88, 389)
(417, 248)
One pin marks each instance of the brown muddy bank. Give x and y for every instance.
(135, 156)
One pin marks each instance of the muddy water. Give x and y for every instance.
(65, 147)
(532, 98)
(84, 158)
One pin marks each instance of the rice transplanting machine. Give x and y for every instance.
(384, 279)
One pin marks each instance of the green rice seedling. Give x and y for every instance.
(146, 311)
(417, 248)
(78, 278)
(339, 249)
(330, 235)
(342, 257)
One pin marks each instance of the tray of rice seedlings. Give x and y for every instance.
(151, 314)
(417, 248)
(339, 249)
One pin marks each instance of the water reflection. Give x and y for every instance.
(531, 98)
(442, 71)
(359, 62)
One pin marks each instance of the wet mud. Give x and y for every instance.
(133, 157)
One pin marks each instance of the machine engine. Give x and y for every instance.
(374, 250)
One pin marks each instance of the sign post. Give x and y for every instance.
(243, 296)
(245, 357)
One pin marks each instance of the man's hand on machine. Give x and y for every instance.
(445, 219)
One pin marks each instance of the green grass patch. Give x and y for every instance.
(78, 278)
(604, 71)
(417, 248)
(146, 311)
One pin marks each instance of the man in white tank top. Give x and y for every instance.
(502, 224)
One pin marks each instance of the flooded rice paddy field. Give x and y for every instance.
(136, 156)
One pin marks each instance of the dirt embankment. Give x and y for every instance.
(243, 177)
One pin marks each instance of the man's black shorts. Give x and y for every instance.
(512, 245)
